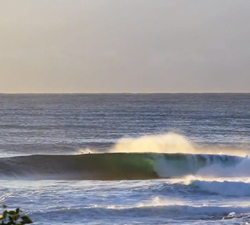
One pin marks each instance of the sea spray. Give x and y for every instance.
(165, 143)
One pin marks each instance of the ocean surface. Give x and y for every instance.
(126, 158)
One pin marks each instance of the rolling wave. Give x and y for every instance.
(182, 211)
(225, 188)
(119, 166)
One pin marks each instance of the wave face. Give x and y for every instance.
(121, 166)
(223, 188)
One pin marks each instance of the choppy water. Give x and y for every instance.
(127, 159)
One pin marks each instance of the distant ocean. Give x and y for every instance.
(126, 158)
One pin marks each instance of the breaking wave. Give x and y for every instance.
(148, 157)
(122, 166)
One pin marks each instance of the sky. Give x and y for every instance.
(135, 46)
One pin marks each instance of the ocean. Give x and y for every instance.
(126, 158)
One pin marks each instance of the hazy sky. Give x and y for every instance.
(124, 46)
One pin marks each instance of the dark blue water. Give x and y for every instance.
(63, 122)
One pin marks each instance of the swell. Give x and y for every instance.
(163, 211)
(225, 188)
(111, 166)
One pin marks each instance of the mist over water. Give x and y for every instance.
(134, 159)
(166, 143)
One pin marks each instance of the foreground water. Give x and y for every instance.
(126, 159)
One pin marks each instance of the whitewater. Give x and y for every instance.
(126, 159)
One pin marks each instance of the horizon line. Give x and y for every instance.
(110, 93)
